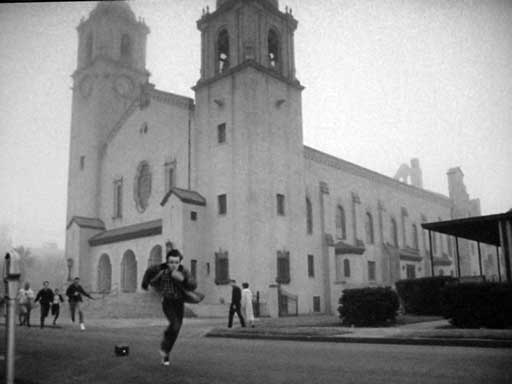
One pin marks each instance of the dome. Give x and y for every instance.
(121, 8)
(220, 3)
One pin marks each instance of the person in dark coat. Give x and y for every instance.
(236, 304)
(170, 279)
(74, 294)
(45, 298)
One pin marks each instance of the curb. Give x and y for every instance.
(448, 342)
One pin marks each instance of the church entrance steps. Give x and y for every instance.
(143, 305)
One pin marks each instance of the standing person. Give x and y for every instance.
(45, 298)
(170, 279)
(25, 298)
(236, 304)
(74, 294)
(57, 299)
(247, 310)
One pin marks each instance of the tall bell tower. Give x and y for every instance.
(248, 142)
(111, 67)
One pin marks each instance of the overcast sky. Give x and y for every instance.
(385, 80)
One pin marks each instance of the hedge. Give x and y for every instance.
(422, 296)
(475, 305)
(368, 306)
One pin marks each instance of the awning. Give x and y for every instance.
(483, 229)
(341, 248)
(185, 195)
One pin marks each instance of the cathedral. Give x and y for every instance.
(226, 177)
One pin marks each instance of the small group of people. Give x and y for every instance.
(50, 300)
(241, 304)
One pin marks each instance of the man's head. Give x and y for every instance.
(245, 285)
(168, 246)
(46, 284)
(56, 291)
(27, 285)
(76, 280)
(173, 259)
(232, 282)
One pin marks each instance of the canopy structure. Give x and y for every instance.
(483, 229)
(491, 229)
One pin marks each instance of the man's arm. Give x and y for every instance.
(38, 296)
(81, 290)
(188, 282)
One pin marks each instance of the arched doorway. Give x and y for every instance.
(155, 256)
(104, 274)
(129, 272)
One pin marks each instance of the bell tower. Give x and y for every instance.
(248, 144)
(111, 67)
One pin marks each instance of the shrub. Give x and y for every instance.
(475, 305)
(423, 296)
(368, 306)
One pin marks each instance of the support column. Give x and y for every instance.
(506, 245)
(324, 190)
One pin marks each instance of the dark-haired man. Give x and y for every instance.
(45, 297)
(236, 304)
(170, 279)
(74, 294)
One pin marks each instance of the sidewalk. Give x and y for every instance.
(326, 329)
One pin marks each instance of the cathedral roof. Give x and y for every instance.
(185, 195)
(149, 228)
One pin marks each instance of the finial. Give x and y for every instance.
(207, 9)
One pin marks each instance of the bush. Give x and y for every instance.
(423, 296)
(368, 306)
(475, 305)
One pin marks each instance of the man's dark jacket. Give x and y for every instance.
(165, 285)
(44, 296)
(236, 295)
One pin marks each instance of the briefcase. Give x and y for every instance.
(121, 350)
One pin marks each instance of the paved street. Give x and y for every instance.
(67, 355)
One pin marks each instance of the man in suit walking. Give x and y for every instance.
(236, 304)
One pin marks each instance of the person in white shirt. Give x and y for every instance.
(247, 304)
(25, 299)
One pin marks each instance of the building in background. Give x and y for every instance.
(226, 176)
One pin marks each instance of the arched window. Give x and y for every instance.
(309, 216)
(341, 228)
(222, 51)
(346, 267)
(155, 256)
(370, 239)
(126, 47)
(129, 272)
(88, 49)
(104, 274)
(415, 242)
(273, 49)
(394, 233)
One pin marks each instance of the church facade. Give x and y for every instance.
(226, 176)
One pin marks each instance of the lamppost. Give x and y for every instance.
(11, 274)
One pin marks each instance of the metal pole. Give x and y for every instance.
(9, 336)
(498, 259)
(479, 257)
(458, 255)
(431, 256)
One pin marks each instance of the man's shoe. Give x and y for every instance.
(165, 358)
(82, 326)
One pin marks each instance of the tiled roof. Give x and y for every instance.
(149, 228)
(86, 222)
(185, 195)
